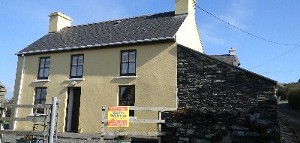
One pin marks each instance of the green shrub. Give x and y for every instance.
(294, 95)
(294, 101)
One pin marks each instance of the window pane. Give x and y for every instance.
(124, 56)
(127, 96)
(38, 93)
(74, 60)
(132, 56)
(42, 63)
(73, 71)
(41, 73)
(124, 68)
(131, 68)
(79, 71)
(47, 63)
(80, 60)
(44, 93)
(46, 72)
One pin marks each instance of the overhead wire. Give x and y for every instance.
(255, 36)
(274, 58)
(244, 31)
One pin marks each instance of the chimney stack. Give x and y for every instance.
(58, 21)
(185, 7)
(232, 52)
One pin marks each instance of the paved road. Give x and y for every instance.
(289, 123)
(292, 115)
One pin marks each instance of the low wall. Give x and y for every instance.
(218, 102)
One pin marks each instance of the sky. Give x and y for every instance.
(23, 22)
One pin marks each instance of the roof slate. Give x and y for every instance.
(156, 27)
(227, 58)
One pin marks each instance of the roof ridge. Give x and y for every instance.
(121, 19)
(236, 67)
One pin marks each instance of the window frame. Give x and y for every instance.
(71, 66)
(43, 68)
(39, 110)
(128, 62)
(131, 112)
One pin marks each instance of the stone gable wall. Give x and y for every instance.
(220, 103)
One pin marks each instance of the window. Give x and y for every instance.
(128, 63)
(76, 66)
(40, 98)
(127, 97)
(44, 68)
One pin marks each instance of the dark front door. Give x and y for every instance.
(72, 118)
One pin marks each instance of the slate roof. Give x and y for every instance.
(155, 27)
(227, 58)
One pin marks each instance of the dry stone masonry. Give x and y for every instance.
(219, 102)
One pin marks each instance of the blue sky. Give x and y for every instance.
(23, 22)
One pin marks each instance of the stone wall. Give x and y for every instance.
(220, 103)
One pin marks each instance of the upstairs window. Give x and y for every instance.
(127, 97)
(40, 98)
(76, 66)
(128, 63)
(44, 68)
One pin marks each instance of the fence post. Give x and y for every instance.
(2, 122)
(159, 126)
(103, 124)
(53, 119)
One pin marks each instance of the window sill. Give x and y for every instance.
(75, 79)
(126, 77)
(37, 115)
(131, 118)
(41, 80)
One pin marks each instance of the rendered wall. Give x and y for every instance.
(155, 84)
(188, 34)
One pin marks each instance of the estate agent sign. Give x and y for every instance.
(118, 116)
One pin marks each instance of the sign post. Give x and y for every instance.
(118, 116)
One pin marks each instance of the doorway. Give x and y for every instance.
(73, 106)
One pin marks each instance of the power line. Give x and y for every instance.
(244, 31)
(255, 36)
(274, 58)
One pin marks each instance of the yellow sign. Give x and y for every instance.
(118, 116)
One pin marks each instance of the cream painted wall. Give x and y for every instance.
(58, 21)
(155, 83)
(188, 34)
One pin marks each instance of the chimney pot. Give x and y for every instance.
(58, 21)
(232, 52)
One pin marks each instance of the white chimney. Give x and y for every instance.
(185, 7)
(58, 21)
(232, 52)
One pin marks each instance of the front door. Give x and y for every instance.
(72, 118)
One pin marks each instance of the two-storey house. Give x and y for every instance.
(125, 62)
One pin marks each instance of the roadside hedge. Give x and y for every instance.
(294, 101)
(294, 95)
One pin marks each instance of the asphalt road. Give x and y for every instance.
(289, 121)
(292, 115)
